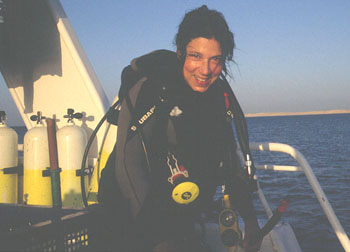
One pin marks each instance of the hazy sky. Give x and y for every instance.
(291, 56)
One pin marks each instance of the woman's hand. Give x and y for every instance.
(251, 242)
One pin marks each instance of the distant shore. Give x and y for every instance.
(325, 112)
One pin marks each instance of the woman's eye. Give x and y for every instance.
(217, 59)
(194, 55)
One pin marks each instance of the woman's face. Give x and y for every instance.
(203, 63)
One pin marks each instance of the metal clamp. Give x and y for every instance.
(175, 171)
(13, 170)
(86, 171)
(48, 171)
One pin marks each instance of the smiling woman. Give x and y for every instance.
(203, 63)
(175, 141)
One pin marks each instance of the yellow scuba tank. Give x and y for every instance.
(36, 188)
(71, 143)
(8, 158)
(228, 223)
(184, 190)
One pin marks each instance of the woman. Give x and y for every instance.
(175, 141)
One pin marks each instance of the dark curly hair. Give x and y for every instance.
(202, 22)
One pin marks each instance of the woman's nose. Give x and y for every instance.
(205, 67)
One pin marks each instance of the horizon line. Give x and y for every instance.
(320, 112)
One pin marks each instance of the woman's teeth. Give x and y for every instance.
(201, 79)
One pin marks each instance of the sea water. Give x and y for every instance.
(325, 142)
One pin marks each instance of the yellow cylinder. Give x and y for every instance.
(71, 143)
(8, 158)
(36, 188)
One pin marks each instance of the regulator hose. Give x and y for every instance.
(271, 223)
(87, 149)
(241, 127)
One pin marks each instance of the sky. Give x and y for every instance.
(291, 56)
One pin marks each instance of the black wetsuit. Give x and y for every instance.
(204, 144)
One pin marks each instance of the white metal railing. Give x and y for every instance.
(305, 167)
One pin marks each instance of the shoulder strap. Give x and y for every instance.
(234, 111)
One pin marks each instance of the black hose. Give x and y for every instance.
(242, 134)
(87, 149)
(239, 121)
(271, 223)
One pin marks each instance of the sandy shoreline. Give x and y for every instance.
(325, 112)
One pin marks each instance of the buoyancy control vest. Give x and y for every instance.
(145, 85)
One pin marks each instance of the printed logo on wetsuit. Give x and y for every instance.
(175, 111)
(147, 115)
(143, 118)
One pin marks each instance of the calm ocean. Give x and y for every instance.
(325, 142)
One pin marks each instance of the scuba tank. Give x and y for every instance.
(8, 159)
(71, 143)
(36, 187)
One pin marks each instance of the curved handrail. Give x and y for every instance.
(321, 196)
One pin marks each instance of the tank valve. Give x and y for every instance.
(3, 117)
(38, 117)
(71, 115)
